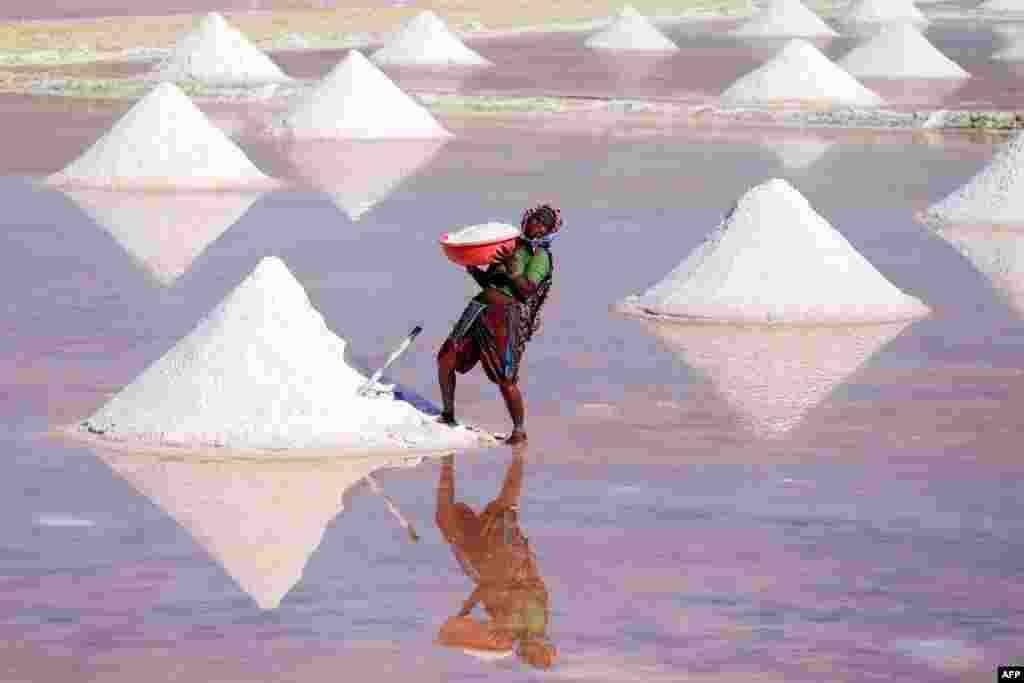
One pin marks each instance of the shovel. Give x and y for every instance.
(361, 391)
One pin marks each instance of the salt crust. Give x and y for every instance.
(426, 40)
(485, 232)
(799, 73)
(900, 51)
(785, 18)
(997, 254)
(163, 142)
(774, 259)
(262, 370)
(261, 521)
(883, 11)
(358, 100)
(995, 195)
(217, 53)
(631, 31)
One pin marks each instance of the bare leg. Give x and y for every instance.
(516, 410)
(446, 361)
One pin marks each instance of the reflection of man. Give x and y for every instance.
(496, 555)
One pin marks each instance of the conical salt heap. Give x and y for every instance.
(773, 376)
(262, 370)
(631, 31)
(164, 232)
(900, 51)
(774, 259)
(426, 40)
(216, 52)
(784, 18)
(883, 12)
(1002, 6)
(163, 142)
(995, 195)
(358, 100)
(997, 254)
(799, 74)
(261, 521)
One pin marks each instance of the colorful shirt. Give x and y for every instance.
(535, 265)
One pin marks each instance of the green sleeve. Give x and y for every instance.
(538, 267)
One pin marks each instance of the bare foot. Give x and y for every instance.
(447, 419)
(518, 436)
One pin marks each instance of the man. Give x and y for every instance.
(501, 319)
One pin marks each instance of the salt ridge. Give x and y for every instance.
(163, 141)
(900, 51)
(426, 40)
(630, 30)
(785, 18)
(358, 100)
(799, 74)
(216, 52)
(262, 370)
(774, 259)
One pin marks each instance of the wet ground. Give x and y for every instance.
(705, 503)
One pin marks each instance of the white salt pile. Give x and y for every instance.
(262, 370)
(784, 18)
(261, 521)
(900, 51)
(997, 254)
(799, 74)
(426, 40)
(883, 11)
(164, 232)
(995, 195)
(774, 259)
(216, 52)
(358, 100)
(164, 141)
(1013, 51)
(1002, 6)
(483, 233)
(773, 376)
(631, 31)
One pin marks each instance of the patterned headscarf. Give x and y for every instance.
(546, 215)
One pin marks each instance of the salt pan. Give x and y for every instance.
(900, 51)
(799, 74)
(485, 232)
(164, 141)
(774, 259)
(995, 195)
(218, 53)
(262, 370)
(358, 100)
(426, 40)
(631, 31)
(883, 11)
(784, 18)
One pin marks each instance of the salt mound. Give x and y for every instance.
(262, 370)
(261, 521)
(426, 40)
(900, 51)
(1013, 52)
(631, 31)
(801, 74)
(1002, 6)
(215, 52)
(773, 376)
(164, 141)
(485, 232)
(883, 11)
(773, 259)
(784, 18)
(998, 255)
(164, 232)
(995, 195)
(358, 100)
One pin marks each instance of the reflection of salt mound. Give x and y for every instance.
(994, 195)
(359, 174)
(631, 31)
(799, 154)
(799, 73)
(1002, 6)
(164, 232)
(358, 100)
(218, 53)
(262, 370)
(774, 259)
(426, 40)
(998, 255)
(784, 18)
(883, 11)
(900, 51)
(261, 521)
(163, 141)
(772, 376)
